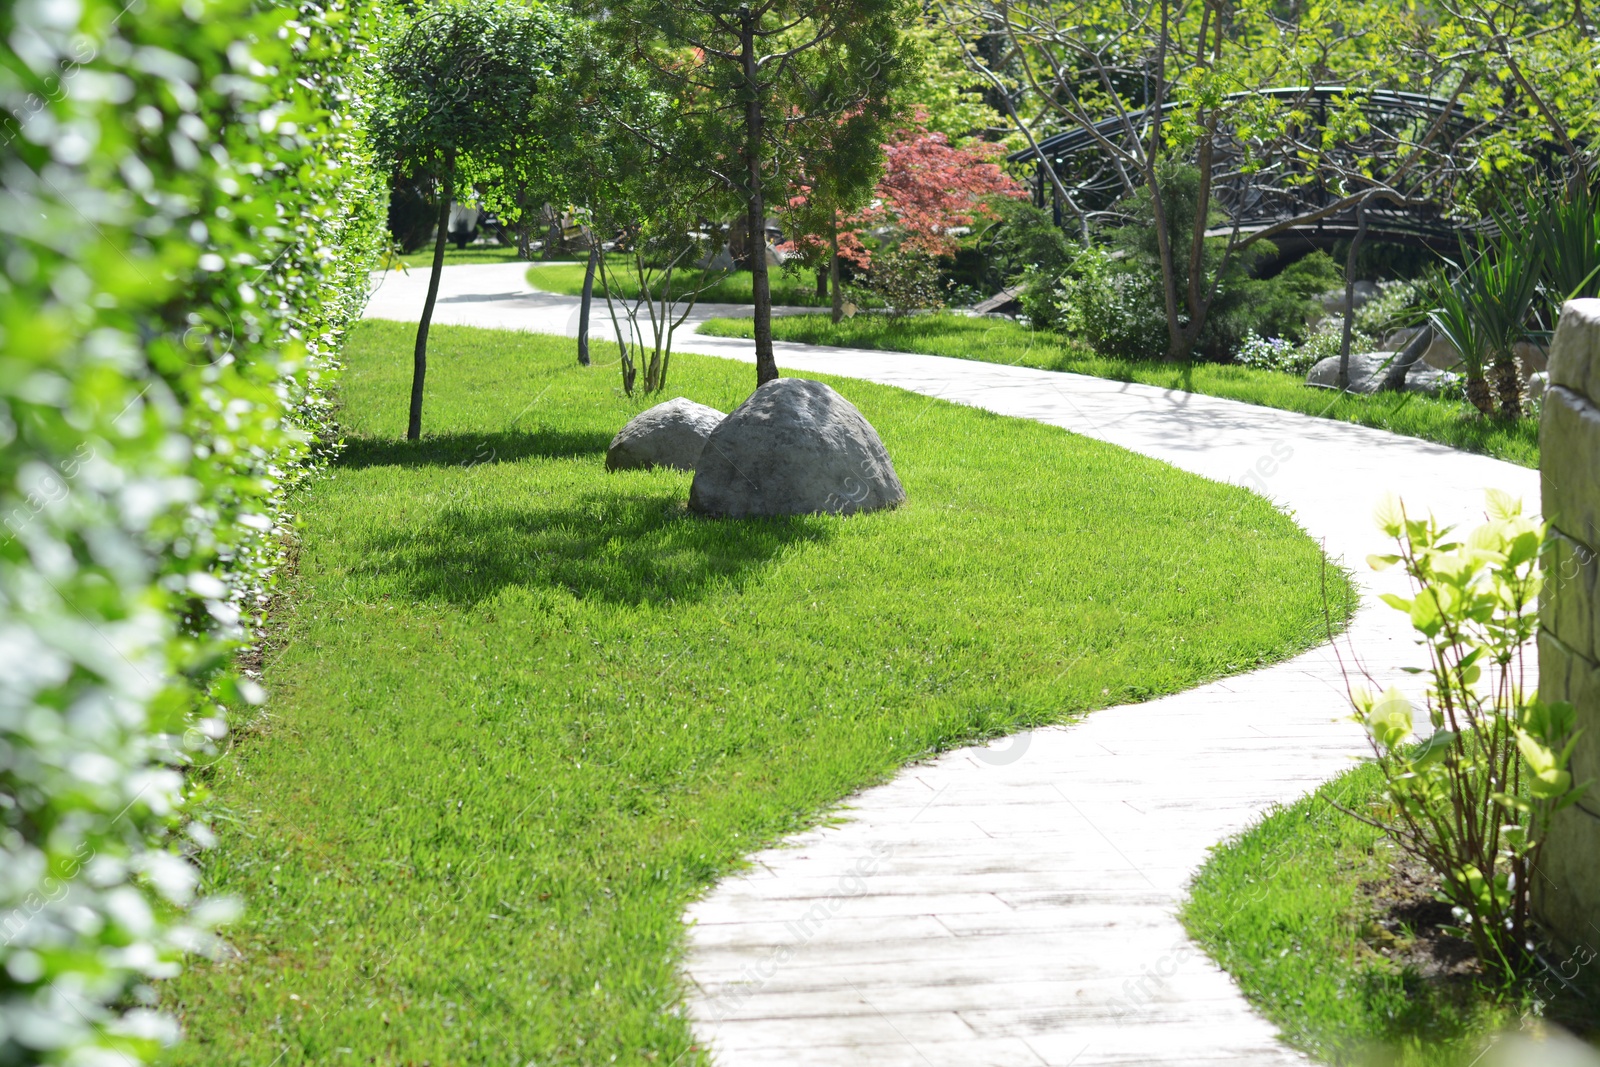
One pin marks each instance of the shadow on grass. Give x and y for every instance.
(618, 547)
(470, 449)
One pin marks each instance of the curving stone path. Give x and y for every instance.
(1014, 904)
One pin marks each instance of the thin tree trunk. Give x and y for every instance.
(588, 301)
(1508, 383)
(822, 283)
(833, 272)
(1407, 358)
(1177, 347)
(1350, 294)
(755, 209)
(419, 358)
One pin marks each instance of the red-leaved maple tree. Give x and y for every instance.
(929, 190)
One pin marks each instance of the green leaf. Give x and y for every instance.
(1435, 748)
(1400, 603)
(1501, 504)
(1389, 514)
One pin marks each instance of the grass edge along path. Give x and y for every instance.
(523, 711)
(788, 290)
(1446, 422)
(1291, 909)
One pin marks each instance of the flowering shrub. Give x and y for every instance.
(1327, 339)
(186, 223)
(1268, 353)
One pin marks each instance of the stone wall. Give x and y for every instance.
(1567, 891)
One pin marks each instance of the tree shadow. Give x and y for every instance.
(621, 547)
(470, 449)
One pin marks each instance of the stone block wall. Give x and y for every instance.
(1567, 887)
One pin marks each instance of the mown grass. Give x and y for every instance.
(789, 290)
(1447, 422)
(1289, 908)
(453, 256)
(522, 710)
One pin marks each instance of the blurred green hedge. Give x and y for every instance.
(188, 213)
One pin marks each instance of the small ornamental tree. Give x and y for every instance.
(460, 85)
(841, 166)
(932, 189)
(759, 80)
(930, 192)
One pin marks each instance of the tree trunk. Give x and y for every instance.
(1508, 383)
(552, 234)
(833, 273)
(1199, 294)
(755, 209)
(822, 284)
(588, 301)
(1177, 341)
(419, 358)
(1350, 294)
(1478, 393)
(1414, 350)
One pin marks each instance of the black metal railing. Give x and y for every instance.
(1409, 150)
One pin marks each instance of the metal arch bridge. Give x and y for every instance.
(1287, 182)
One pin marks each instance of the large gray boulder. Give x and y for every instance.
(795, 447)
(1367, 370)
(667, 435)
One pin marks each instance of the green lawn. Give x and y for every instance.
(1292, 909)
(453, 256)
(523, 711)
(1003, 341)
(789, 290)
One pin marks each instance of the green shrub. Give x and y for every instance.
(1113, 306)
(1028, 249)
(185, 234)
(1397, 304)
(1474, 799)
(1272, 353)
(1111, 295)
(905, 280)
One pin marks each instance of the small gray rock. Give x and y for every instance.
(667, 435)
(795, 447)
(1367, 370)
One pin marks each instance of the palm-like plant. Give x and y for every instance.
(1453, 319)
(1564, 226)
(1507, 283)
(1484, 311)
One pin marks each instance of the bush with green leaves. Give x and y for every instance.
(1279, 306)
(1271, 353)
(1473, 800)
(1110, 295)
(1397, 305)
(1117, 310)
(905, 279)
(186, 224)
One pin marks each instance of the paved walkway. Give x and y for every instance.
(1014, 904)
